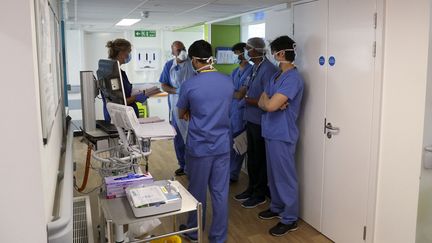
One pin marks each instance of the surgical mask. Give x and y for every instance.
(236, 58)
(273, 60)
(182, 56)
(128, 58)
(246, 55)
(276, 62)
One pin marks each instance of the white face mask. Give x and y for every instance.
(182, 55)
(273, 58)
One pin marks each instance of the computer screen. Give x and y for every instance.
(110, 81)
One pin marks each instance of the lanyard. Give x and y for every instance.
(254, 73)
(208, 70)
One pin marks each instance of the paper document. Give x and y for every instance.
(147, 196)
(240, 143)
(147, 89)
(155, 130)
(151, 119)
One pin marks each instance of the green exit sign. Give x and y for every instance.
(145, 33)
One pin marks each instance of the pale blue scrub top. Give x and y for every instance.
(237, 107)
(165, 76)
(259, 77)
(281, 124)
(208, 97)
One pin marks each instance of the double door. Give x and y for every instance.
(336, 56)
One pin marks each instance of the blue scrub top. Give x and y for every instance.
(281, 124)
(257, 80)
(127, 87)
(208, 98)
(237, 106)
(165, 76)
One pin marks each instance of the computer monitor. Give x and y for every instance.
(110, 81)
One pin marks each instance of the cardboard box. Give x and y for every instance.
(116, 185)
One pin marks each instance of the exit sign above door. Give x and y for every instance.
(145, 33)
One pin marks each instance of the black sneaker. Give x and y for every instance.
(253, 202)
(186, 236)
(268, 214)
(242, 196)
(179, 172)
(281, 229)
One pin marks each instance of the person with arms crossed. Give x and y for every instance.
(238, 76)
(262, 71)
(284, 90)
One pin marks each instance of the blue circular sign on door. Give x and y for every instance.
(332, 61)
(321, 60)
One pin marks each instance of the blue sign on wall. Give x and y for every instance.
(332, 61)
(321, 60)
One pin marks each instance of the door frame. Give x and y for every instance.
(376, 117)
(376, 122)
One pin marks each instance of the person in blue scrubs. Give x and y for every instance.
(238, 76)
(261, 73)
(205, 102)
(174, 73)
(281, 102)
(120, 50)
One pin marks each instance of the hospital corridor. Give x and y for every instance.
(216, 121)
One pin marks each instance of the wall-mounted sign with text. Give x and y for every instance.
(145, 33)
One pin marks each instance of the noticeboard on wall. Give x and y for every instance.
(224, 55)
(49, 64)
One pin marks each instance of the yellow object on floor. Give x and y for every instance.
(169, 239)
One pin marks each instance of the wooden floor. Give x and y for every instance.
(244, 225)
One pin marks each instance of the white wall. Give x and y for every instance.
(278, 23)
(402, 120)
(74, 55)
(86, 48)
(25, 207)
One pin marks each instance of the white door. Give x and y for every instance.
(310, 34)
(349, 104)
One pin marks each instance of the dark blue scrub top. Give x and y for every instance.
(165, 77)
(208, 98)
(239, 78)
(263, 73)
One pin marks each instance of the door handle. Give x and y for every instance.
(330, 130)
(330, 127)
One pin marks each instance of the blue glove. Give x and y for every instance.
(140, 98)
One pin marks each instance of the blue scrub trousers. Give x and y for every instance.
(282, 179)
(236, 161)
(179, 145)
(211, 172)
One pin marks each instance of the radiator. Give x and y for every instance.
(82, 223)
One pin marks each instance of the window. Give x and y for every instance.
(256, 30)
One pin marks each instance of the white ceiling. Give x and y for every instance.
(102, 15)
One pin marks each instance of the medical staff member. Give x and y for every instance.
(205, 101)
(280, 130)
(120, 50)
(238, 76)
(175, 72)
(262, 71)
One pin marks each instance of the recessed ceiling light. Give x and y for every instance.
(127, 22)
